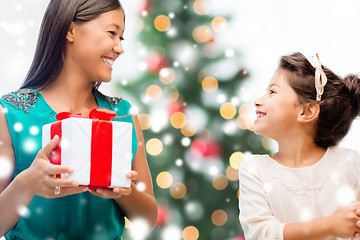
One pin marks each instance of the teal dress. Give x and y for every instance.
(79, 216)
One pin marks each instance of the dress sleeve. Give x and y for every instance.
(256, 217)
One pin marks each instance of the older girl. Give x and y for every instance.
(78, 43)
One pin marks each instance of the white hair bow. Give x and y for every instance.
(320, 77)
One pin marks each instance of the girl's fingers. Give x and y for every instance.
(132, 175)
(64, 191)
(58, 169)
(46, 151)
(122, 191)
(57, 182)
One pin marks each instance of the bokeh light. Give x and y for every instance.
(232, 173)
(167, 75)
(164, 180)
(236, 159)
(219, 217)
(202, 34)
(154, 92)
(6, 167)
(190, 233)
(189, 129)
(144, 121)
(178, 120)
(245, 120)
(219, 24)
(201, 7)
(227, 110)
(18, 127)
(154, 146)
(210, 84)
(172, 94)
(178, 190)
(220, 182)
(162, 23)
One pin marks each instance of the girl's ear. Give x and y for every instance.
(309, 112)
(71, 32)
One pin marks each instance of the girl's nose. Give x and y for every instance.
(118, 48)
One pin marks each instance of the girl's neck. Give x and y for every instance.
(69, 94)
(298, 153)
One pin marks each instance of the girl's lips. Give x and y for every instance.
(259, 114)
(108, 61)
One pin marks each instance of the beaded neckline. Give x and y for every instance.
(23, 99)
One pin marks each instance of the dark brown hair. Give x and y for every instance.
(59, 15)
(339, 104)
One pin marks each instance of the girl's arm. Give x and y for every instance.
(340, 224)
(16, 195)
(136, 203)
(140, 203)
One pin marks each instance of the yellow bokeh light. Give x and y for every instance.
(220, 182)
(232, 173)
(202, 34)
(154, 92)
(162, 23)
(236, 160)
(219, 217)
(178, 190)
(154, 146)
(201, 7)
(219, 24)
(227, 110)
(189, 129)
(167, 75)
(145, 121)
(164, 180)
(190, 233)
(178, 120)
(210, 84)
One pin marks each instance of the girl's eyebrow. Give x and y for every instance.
(274, 85)
(116, 26)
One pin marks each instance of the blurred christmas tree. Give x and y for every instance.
(196, 126)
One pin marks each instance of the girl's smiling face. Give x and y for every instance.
(278, 109)
(95, 45)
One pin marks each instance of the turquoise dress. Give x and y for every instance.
(79, 216)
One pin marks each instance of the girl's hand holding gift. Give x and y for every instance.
(116, 192)
(39, 179)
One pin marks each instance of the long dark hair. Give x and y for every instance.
(340, 102)
(48, 59)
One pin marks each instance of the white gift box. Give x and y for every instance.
(85, 147)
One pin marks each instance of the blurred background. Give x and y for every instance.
(192, 70)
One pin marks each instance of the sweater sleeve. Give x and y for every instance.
(256, 217)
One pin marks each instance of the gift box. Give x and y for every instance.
(99, 150)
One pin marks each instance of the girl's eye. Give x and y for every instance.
(271, 92)
(112, 33)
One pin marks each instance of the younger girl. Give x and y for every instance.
(309, 188)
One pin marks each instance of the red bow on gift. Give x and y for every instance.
(96, 113)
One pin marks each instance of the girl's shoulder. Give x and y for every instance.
(346, 154)
(254, 162)
(22, 99)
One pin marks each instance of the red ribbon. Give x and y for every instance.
(101, 144)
